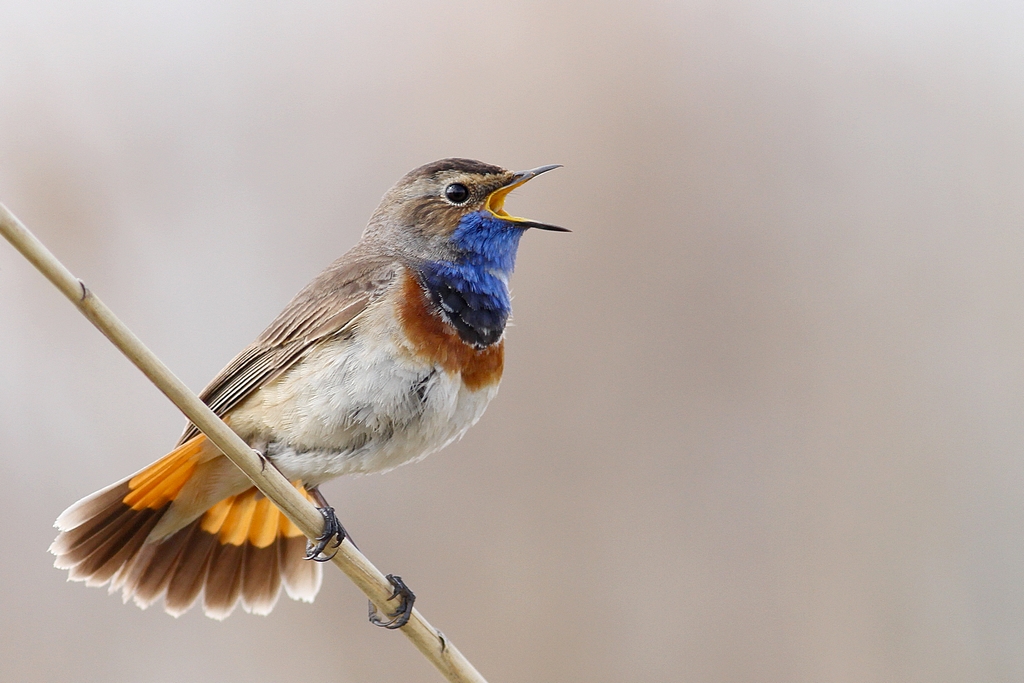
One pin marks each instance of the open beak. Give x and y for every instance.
(496, 200)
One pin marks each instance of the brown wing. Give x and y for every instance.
(325, 307)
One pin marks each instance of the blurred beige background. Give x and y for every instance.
(762, 414)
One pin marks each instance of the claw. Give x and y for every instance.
(444, 641)
(263, 459)
(401, 616)
(332, 530)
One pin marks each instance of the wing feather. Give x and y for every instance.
(325, 307)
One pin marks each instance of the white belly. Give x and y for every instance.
(357, 405)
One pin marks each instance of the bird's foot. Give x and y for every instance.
(333, 530)
(400, 617)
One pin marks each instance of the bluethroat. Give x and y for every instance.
(388, 355)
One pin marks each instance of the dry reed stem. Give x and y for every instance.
(428, 640)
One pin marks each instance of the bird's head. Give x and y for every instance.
(454, 210)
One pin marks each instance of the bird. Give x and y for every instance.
(388, 355)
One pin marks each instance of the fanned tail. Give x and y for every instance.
(242, 549)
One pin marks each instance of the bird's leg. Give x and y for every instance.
(400, 617)
(332, 530)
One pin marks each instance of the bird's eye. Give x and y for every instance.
(456, 193)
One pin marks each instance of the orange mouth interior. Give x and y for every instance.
(496, 202)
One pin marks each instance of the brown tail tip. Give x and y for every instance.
(241, 551)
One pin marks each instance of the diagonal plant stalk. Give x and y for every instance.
(428, 640)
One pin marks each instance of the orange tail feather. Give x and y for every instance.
(242, 549)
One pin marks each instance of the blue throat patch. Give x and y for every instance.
(471, 291)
